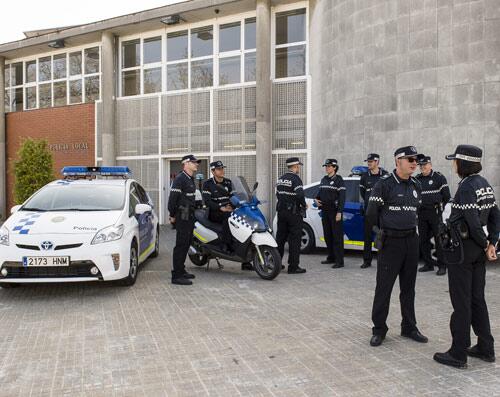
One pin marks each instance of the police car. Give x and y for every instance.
(95, 224)
(312, 230)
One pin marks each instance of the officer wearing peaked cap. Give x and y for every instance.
(474, 206)
(291, 207)
(331, 200)
(366, 184)
(435, 195)
(181, 206)
(393, 206)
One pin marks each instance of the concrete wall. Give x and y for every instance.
(390, 73)
(69, 131)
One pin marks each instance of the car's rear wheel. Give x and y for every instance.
(307, 241)
(133, 268)
(156, 252)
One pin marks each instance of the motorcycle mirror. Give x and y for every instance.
(255, 185)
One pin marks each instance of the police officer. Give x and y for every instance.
(291, 207)
(181, 206)
(435, 195)
(331, 200)
(393, 206)
(473, 207)
(366, 184)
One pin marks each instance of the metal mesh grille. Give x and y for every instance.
(146, 173)
(137, 127)
(98, 128)
(240, 166)
(234, 119)
(186, 123)
(279, 168)
(290, 115)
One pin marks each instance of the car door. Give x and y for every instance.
(353, 219)
(313, 217)
(146, 222)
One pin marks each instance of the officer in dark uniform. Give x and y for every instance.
(435, 195)
(217, 192)
(366, 184)
(181, 206)
(393, 206)
(473, 207)
(331, 200)
(291, 207)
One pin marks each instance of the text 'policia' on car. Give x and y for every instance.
(94, 224)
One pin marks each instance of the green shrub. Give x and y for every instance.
(33, 169)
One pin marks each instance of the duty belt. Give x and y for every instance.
(400, 233)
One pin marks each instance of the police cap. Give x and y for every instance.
(293, 161)
(331, 162)
(190, 158)
(373, 157)
(467, 153)
(406, 151)
(216, 164)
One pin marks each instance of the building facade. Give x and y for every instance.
(252, 82)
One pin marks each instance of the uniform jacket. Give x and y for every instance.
(394, 203)
(182, 193)
(217, 195)
(367, 182)
(290, 193)
(435, 190)
(331, 193)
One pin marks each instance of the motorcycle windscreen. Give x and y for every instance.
(241, 189)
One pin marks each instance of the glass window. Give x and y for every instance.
(6, 100)
(131, 82)
(177, 46)
(59, 66)
(91, 88)
(131, 53)
(291, 61)
(133, 200)
(44, 69)
(6, 76)
(229, 70)
(91, 60)
(202, 74)
(230, 37)
(45, 95)
(202, 41)
(250, 66)
(30, 71)
(18, 102)
(75, 91)
(250, 33)
(17, 74)
(30, 97)
(177, 77)
(152, 50)
(291, 26)
(60, 93)
(75, 63)
(152, 80)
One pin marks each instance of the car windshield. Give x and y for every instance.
(77, 198)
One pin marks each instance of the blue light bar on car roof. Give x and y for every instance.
(359, 169)
(90, 171)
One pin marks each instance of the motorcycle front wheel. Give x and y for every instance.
(270, 265)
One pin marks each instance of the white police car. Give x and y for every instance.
(312, 230)
(95, 224)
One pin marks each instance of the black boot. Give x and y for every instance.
(328, 261)
(448, 359)
(296, 270)
(474, 351)
(426, 268)
(181, 281)
(441, 271)
(246, 266)
(365, 265)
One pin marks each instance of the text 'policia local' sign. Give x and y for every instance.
(66, 147)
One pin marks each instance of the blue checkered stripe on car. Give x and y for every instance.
(24, 224)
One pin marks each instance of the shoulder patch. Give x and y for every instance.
(385, 176)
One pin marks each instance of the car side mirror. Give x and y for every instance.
(15, 209)
(142, 209)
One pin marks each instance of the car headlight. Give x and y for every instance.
(4, 236)
(110, 233)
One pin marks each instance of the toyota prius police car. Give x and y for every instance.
(95, 224)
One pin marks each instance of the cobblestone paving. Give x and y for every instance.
(231, 334)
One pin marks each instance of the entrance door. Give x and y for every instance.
(171, 169)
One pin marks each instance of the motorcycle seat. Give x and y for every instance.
(201, 215)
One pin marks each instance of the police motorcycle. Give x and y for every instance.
(252, 240)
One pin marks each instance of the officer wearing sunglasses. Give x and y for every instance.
(393, 206)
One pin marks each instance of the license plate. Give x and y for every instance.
(41, 261)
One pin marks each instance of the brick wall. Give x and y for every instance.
(69, 130)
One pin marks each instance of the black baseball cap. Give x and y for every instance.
(293, 161)
(423, 159)
(467, 153)
(406, 151)
(330, 162)
(216, 164)
(190, 158)
(373, 157)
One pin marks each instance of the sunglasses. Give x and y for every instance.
(411, 159)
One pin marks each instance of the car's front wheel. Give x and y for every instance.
(307, 241)
(133, 267)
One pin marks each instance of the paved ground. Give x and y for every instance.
(230, 334)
